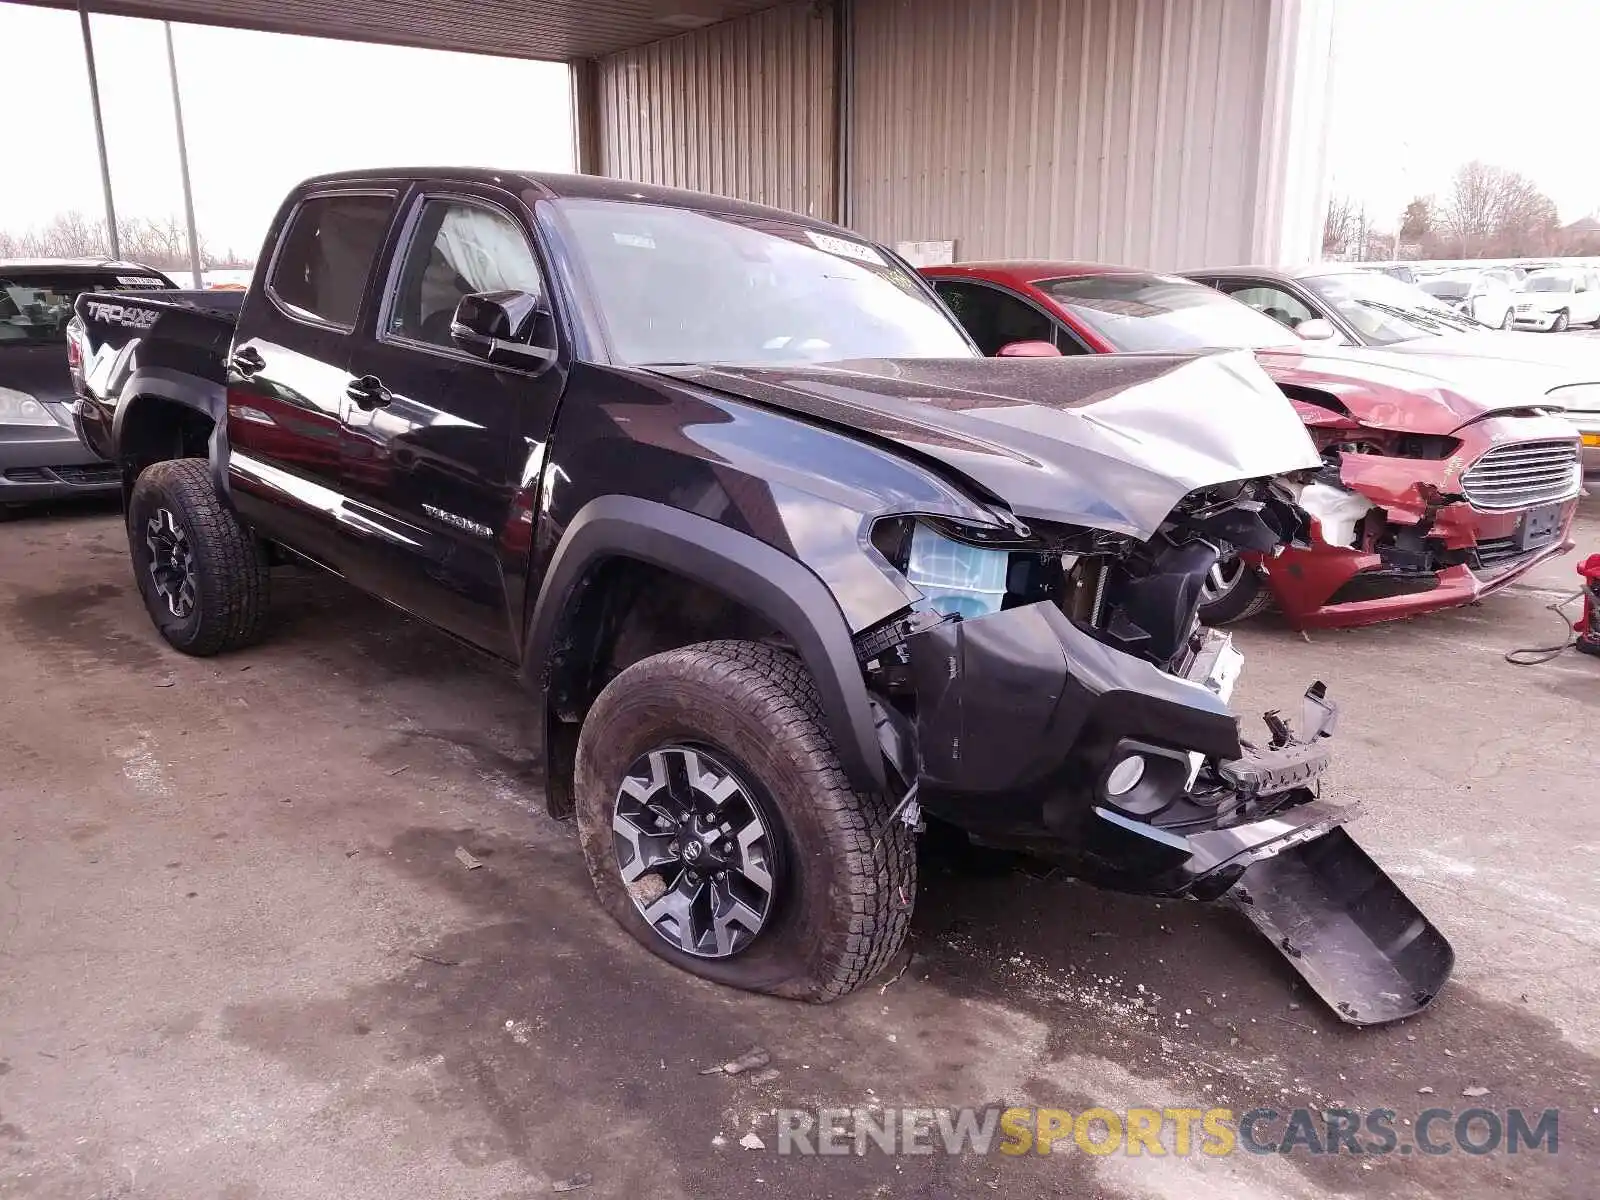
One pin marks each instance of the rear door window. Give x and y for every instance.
(326, 256)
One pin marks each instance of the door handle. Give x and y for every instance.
(368, 392)
(247, 361)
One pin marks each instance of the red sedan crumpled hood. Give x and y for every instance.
(1386, 397)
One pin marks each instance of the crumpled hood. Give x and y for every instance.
(1108, 442)
(1405, 394)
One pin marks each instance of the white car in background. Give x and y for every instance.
(1558, 298)
(1477, 294)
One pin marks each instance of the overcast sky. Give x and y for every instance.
(1421, 87)
(262, 112)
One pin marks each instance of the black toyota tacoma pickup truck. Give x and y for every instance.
(786, 565)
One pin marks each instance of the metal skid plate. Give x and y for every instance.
(1349, 930)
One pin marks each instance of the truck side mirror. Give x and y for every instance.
(504, 327)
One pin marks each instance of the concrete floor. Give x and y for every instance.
(239, 957)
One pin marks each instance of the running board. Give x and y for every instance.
(1349, 930)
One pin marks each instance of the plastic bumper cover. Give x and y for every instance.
(43, 462)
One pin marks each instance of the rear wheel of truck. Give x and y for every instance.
(720, 829)
(202, 574)
(1232, 591)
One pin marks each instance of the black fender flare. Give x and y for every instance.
(179, 387)
(780, 589)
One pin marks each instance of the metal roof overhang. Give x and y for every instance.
(547, 29)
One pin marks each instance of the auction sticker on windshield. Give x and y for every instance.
(845, 248)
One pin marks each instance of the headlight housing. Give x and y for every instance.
(957, 573)
(20, 408)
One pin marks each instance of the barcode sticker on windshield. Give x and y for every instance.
(642, 240)
(845, 248)
(140, 281)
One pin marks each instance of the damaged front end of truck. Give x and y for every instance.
(1049, 688)
(1057, 695)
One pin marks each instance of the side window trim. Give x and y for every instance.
(417, 203)
(305, 316)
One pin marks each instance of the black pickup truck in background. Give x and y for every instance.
(785, 564)
(41, 458)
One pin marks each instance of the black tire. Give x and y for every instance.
(1561, 322)
(1244, 594)
(845, 880)
(224, 606)
(1509, 320)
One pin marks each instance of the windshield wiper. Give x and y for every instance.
(1417, 316)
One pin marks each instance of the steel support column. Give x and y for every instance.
(183, 161)
(99, 130)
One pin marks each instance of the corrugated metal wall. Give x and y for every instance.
(1115, 130)
(745, 108)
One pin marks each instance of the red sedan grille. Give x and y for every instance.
(1522, 474)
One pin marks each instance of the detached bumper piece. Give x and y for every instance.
(1347, 928)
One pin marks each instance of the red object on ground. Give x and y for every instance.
(1396, 438)
(1588, 625)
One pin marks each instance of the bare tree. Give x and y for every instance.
(1493, 212)
(162, 242)
(1341, 225)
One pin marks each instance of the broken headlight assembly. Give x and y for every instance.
(966, 570)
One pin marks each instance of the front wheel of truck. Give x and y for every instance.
(1233, 590)
(202, 574)
(721, 831)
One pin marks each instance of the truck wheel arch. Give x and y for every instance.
(745, 570)
(156, 387)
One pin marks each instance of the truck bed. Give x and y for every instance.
(188, 331)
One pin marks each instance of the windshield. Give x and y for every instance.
(1384, 310)
(1158, 312)
(35, 307)
(676, 285)
(1547, 283)
(1446, 289)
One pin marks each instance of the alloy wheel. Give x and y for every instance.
(172, 565)
(695, 851)
(1222, 579)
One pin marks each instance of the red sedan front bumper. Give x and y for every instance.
(1457, 554)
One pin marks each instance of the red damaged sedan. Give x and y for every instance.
(1431, 496)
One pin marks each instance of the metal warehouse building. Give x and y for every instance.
(1164, 133)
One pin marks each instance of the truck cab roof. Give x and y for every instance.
(555, 185)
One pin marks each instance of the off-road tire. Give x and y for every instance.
(843, 897)
(231, 575)
(1247, 598)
